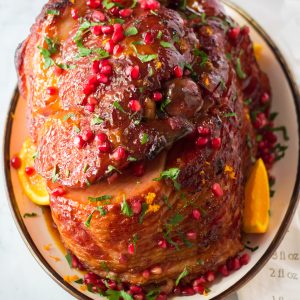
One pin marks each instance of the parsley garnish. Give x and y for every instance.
(79, 281)
(87, 223)
(183, 274)
(159, 34)
(164, 104)
(97, 120)
(125, 208)
(135, 238)
(55, 174)
(76, 129)
(108, 4)
(134, 3)
(172, 174)
(116, 295)
(175, 220)
(69, 259)
(30, 215)
(231, 114)
(143, 212)
(144, 57)
(144, 139)
(131, 158)
(68, 116)
(166, 44)
(131, 31)
(85, 168)
(203, 55)
(239, 71)
(118, 106)
(54, 12)
(111, 168)
(101, 198)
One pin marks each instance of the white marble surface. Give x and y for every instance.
(20, 275)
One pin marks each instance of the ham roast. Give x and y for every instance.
(138, 113)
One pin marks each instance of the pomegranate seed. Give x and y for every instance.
(79, 142)
(95, 66)
(196, 214)
(102, 78)
(76, 263)
(245, 30)
(146, 274)
(131, 248)
(118, 34)
(161, 296)
(16, 162)
(126, 12)
(271, 137)
(118, 49)
(93, 80)
(210, 276)
(107, 29)
(244, 259)
(90, 107)
(93, 3)
(149, 38)
(260, 121)
(109, 46)
(233, 264)
(162, 244)
(58, 71)
(92, 101)
(203, 130)
(100, 138)
(157, 96)
(233, 33)
(216, 143)
(156, 270)
(104, 147)
(199, 281)
(112, 285)
(106, 70)
(223, 270)
(120, 154)
(188, 291)
(74, 13)
(115, 11)
(89, 89)
(135, 72)
(177, 291)
(217, 190)
(29, 171)
(87, 135)
(138, 169)
(150, 4)
(58, 192)
(199, 289)
(178, 72)
(135, 289)
(96, 30)
(51, 90)
(134, 105)
(192, 235)
(98, 16)
(201, 141)
(91, 278)
(265, 98)
(136, 207)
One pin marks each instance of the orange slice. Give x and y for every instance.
(34, 186)
(257, 200)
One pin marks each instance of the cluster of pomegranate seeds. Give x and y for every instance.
(29, 171)
(93, 3)
(60, 191)
(150, 4)
(16, 162)
(204, 138)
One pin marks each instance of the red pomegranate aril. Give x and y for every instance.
(102, 78)
(131, 248)
(210, 276)
(188, 291)
(244, 259)
(150, 4)
(87, 135)
(178, 72)
(265, 98)
(89, 89)
(192, 235)
(139, 297)
(233, 264)
(216, 143)
(29, 171)
(260, 121)
(98, 16)
(92, 101)
(135, 72)
(177, 291)
(217, 190)
(271, 137)
(93, 80)
(146, 274)
(203, 131)
(51, 90)
(118, 36)
(148, 38)
(118, 49)
(90, 107)
(109, 46)
(135, 289)
(104, 147)
(136, 207)
(199, 281)
(196, 214)
(93, 3)
(107, 29)
(157, 96)
(199, 289)
(76, 263)
(234, 33)
(74, 13)
(134, 105)
(161, 296)
(115, 11)
(245, 30)
(120, 154)
(100, 138)
(58, 192)
(126, 12)
(162, 244)
(201, 141)
(223, 270)
(106, 70)
(79, 142)
(58, 70)
(15, 162)
(91, 278)
(138, 169)
(95, 66)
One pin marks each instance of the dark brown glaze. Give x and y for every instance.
(219, 73)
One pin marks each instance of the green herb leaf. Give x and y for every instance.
(101, 198)
(200, 262)
(131, 158)
(164, 104)
(69, 259)
(152, 295)
(159, 34)
(239, 71)
(183, 274)
(144, 57)
(48, 61)
(153, 12)
(108, 4)
(68, 116)
(83, 52)
(111, 168)
(231, 114)
(87, 223)
(30, 215)
(252, 249)
(79, 281)
(134, 3)
(166, 44)
(203, 55)
(175, 220)
(116, 295)
(97, 120)
(182, 4)
(100, 53)
(55, 174)
(135, 238)
(54, 12)
(118, 106)
(143, 212)
(144, 139)
(131, 31)
(76, 129)
(52, 46)
(116, 21)
(126, 209)
(36, 154)
(85, 168)
(172, 174)
(101, 210)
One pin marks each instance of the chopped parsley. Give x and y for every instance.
(131, 31)
(176, 219)
(144, 139)
(55, 174)
(131, 158)
(79, 281)
(135, 238)
(96, 120)
(159, 34)
(144, 57)
(231, 114)
(143, 212)
(239, 71)
(53, 12)
(111, 168)
(116, 295)
(69, 259)
(85, 168)
(76, 129)
(203, 55)
(101, 198)
(87, 223)
(134, 3)
(68, 116)
(125, 208)
(172, 174)
(183, 274)
(166, 44)
(164, 104)
(29, 215)
(118, 106)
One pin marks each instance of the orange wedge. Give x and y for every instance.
(34, 186)
(257, 200)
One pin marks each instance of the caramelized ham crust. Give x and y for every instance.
(143, 132)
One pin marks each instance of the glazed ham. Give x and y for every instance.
(138, 112)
